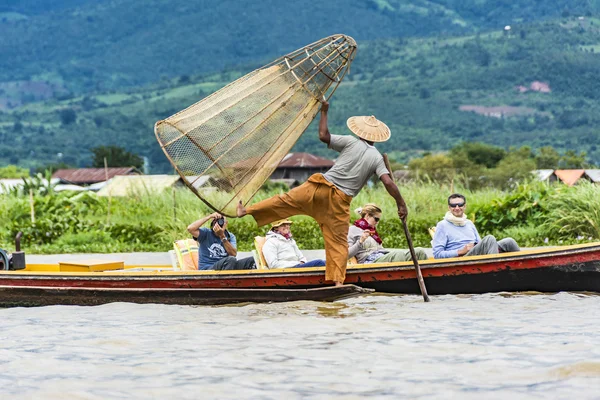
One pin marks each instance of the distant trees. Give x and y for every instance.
(416, 85)
(479, 153)
(547, 158)
(437, 167)
(478, 164)
(513, 169)
(115, 157)
(67, 116)
(572, 160)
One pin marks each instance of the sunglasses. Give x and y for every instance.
(456, 205)
(375, 218)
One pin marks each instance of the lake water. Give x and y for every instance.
(494, 346)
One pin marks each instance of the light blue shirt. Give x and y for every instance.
(211, 248)
(449, 238)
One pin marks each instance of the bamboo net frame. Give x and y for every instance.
(239, 134)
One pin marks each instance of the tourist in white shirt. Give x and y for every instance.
(281, 251)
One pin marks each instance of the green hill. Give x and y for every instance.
(416, 85)
(85, 45)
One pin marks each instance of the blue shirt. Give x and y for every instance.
(449, 238)
(210, 248)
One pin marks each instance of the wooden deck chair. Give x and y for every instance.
(259, 258)
(187, 254)
(432, 231)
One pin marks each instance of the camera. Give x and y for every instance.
(221, 221)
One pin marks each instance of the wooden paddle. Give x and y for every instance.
(410, 243)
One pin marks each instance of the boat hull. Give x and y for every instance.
(568, 268)
(31, 296)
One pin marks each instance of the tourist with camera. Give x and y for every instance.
(217, 246)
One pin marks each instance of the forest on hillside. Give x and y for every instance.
(86, 45)
(434, 87)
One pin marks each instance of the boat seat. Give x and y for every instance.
(259, 258)
(90, 265)
(431, 231)
(186, 251)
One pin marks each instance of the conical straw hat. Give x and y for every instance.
(369, 128)
(281, 222)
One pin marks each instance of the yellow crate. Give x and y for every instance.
(90, 265)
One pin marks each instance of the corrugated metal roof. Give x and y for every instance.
(304, 160)
(593, 174)
(291, 160)
(91, 175)
(569, 176)
(124, 185)
(543, 174)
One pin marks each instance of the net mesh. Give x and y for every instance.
(238, 135)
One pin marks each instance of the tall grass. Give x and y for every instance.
(573, 212)
(152, 221)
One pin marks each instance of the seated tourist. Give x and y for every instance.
(456, 236)
(281, 251)
(365, 244)
(217, 246)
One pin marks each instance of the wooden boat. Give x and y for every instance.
(29, 296)
(551, 269)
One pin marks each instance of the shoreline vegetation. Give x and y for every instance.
(533, 213)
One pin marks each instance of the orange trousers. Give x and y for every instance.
(327, 204)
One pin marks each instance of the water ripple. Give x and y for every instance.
(493, 346)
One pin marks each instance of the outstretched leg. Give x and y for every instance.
(297, 201)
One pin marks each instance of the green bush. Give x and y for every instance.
(534, 214)
(522, 207)
(137, 233)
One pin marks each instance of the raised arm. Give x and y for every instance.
(393, 190)
(324, 135)
(194, 226)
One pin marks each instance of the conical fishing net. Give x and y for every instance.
(238, 135)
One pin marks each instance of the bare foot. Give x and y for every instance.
(339, 284)
(241, 210)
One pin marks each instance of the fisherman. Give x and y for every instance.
(326, 197)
